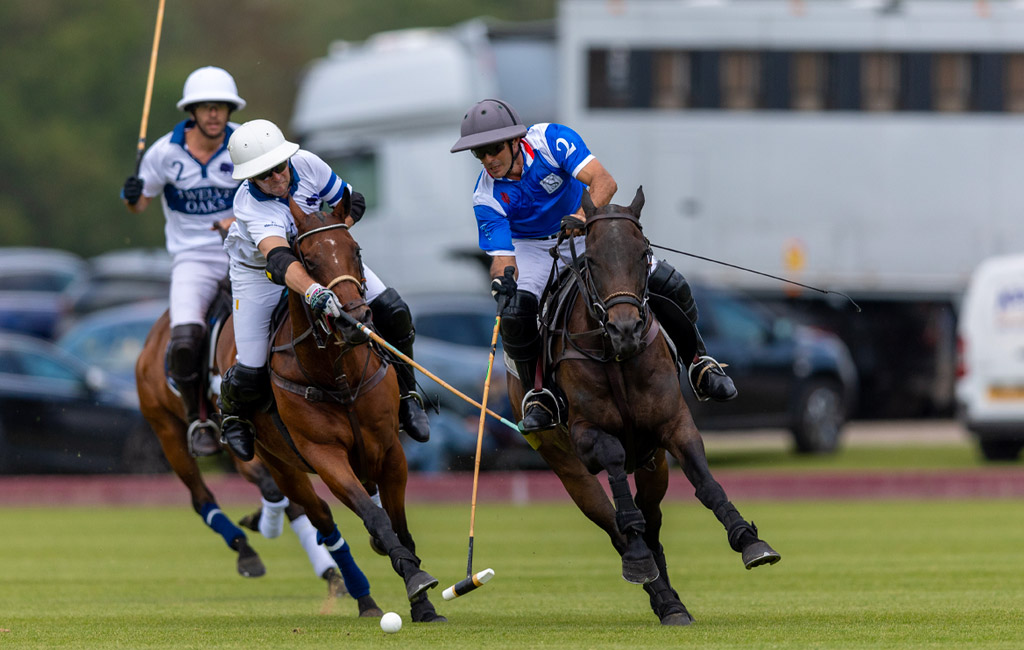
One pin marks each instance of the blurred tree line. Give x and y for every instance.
(74, 81)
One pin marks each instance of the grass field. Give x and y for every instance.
(891, 574)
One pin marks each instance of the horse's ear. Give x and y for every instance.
(343, 207)
(588, 205)
(638, 202)
(297, 212)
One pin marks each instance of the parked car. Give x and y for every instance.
(789, 375)
(59, 415)
(990, 369)
(123, 276)
(36, 288)
(112, 338)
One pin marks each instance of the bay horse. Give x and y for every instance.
(613, 363)
(164, 410)
(337, 405)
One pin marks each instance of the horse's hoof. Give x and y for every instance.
(335, 583)
(377, 548)
(640, 572)
(678, 618)
(422, 611)
(759, 553)
(251, 521)
(249, 563)
(368, 607)
(419, 583)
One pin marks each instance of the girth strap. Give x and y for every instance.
(345, 397)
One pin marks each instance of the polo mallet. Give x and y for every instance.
(149, 87)
(398, 353)
(472, 580)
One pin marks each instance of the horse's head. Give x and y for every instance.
(331, 257)
(618, 256)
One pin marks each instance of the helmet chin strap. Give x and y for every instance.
(513, 163)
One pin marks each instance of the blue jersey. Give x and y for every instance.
(532, 207)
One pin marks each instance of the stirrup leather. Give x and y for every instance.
(694, 383)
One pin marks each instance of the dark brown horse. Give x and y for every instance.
(625, 408)
(165, 412)
(337, 401)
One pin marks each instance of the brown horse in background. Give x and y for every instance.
(337, 408)
(165, 412)
(625, 407)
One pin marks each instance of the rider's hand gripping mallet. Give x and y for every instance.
(472, 580)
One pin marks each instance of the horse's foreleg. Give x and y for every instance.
(337, 473)
(585, 491)
(651, 486)
(318, 533)
(599, 450)
(742, 535)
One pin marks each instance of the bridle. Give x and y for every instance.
(597, 306)
(348, 306)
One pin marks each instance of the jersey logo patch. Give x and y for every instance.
(504, 197)
(227, 167)
(551, 182)
(313, 200)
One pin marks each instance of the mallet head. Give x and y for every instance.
(463, 587)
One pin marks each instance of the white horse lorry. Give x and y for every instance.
(868, 148)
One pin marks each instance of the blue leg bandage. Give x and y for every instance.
(218, 521)
(355, 581)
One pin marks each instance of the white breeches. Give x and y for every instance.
(253, 298)
(194, 278)
(534, 261)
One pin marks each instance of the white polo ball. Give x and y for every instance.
(391, 622)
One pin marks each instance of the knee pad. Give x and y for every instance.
(666, 282)
(245, 390)
(392, 318)
(519, 334)
(184, 352)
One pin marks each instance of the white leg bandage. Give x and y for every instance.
(272, 518)
(318, 555)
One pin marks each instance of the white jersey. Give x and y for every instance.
(259, 215)
(194, 195)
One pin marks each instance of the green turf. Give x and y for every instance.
(853, 575)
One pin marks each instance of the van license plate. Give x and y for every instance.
(1006, 393)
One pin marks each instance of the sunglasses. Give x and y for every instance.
(489, 150)
(270, 172)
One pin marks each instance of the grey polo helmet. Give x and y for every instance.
(487, 122)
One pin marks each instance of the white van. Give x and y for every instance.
(990, 372)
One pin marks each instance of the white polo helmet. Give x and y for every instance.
(256, 146)
(210, 84)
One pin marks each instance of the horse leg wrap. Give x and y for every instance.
(741, 534)
(355, 579)
(399, 555)
(630, 521)
(219, 522)
(272, 518)
(318, 556)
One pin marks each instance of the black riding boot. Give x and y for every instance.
(184, 365)
(243, 393)
(673, 304)
(521, 341)
(393, 320)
